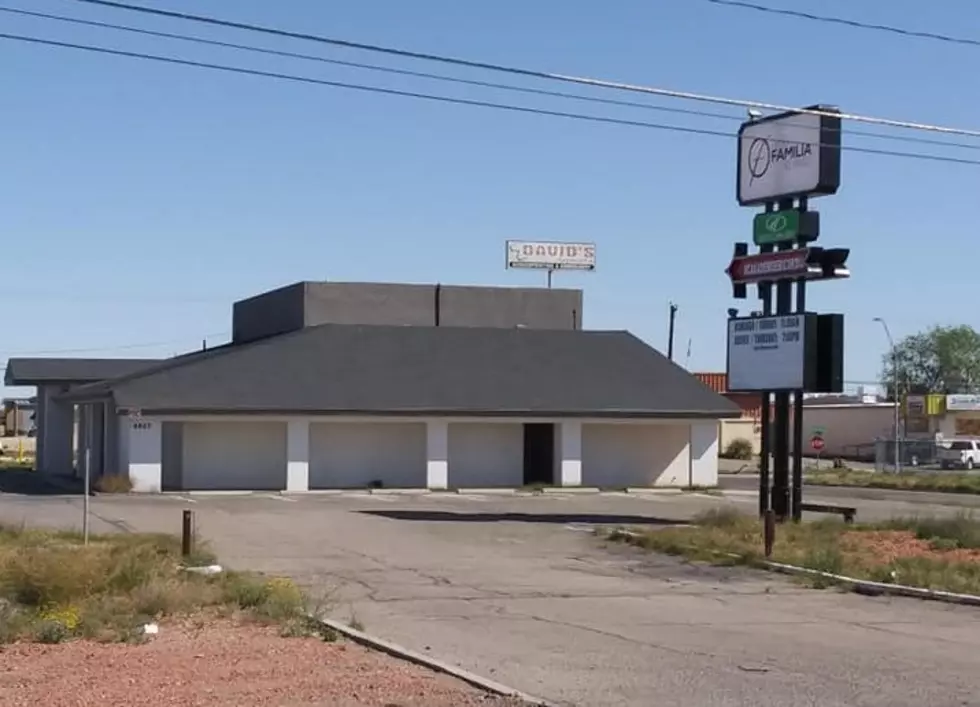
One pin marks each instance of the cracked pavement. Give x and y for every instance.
(513, 589)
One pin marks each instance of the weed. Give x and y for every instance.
(740, 449)
(113, 483)
(13, 622)
(53, 588)
(46, 631)
(907, 481)
(724, 537)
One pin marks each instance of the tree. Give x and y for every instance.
(940, 360)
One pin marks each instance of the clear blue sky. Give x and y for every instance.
(140, 200)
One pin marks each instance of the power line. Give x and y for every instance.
(447, 99)
(122, 347)
(582, 80)
(443, 77)
(827, 19)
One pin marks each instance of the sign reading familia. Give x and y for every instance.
(789, 155)
(767, 353)
(550, 256)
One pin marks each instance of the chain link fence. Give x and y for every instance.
(917, 454)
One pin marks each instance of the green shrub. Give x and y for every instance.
(738, 449)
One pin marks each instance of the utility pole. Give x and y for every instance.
(670, 331)
(895, 395)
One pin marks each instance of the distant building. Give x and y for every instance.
(749, 423)
(18, 416)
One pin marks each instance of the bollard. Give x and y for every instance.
(769, 531)
(187, 534)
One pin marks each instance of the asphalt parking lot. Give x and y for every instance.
(517, 589)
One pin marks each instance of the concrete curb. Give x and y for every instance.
(401, 492)
(858, 586)
(425, 661)
(865, 586)
(643, 491)
(488, 491)
(572, 490)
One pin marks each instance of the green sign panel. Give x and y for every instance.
(776, 227)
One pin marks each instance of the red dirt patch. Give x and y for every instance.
(222, 664)
(881, 547)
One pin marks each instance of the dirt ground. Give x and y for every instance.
(222, 664)
(882, 547)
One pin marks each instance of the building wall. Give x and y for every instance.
(302, 453)
(635, 455)
(741, 428)
(749, 425)
(314, 303)
(486, 454)
(848, 429)
(267, 314)
(220, 455)
(359, 454)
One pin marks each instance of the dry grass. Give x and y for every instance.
(936, 553)
(54, 588)
(113, 483)
(905, 481)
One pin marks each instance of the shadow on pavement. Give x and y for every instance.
(562, 518)
(30, 483)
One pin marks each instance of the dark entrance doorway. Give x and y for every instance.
(539, 453)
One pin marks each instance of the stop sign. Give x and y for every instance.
(816, 442)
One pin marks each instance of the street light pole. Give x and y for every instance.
(897, 422)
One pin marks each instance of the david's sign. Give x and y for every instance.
(789, 155)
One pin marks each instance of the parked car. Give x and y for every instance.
(960, 454)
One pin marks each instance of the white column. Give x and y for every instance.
(298, 456)
(571, 453)
(145, 454)
(704, 453)
(437, 454)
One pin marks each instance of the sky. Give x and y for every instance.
(139, 199)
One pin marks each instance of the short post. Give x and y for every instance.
(187, 534)
(85, 500)
(769, 530)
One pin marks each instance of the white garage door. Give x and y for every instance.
(485, 455)
(359, 454)
(234, 456)
(635, 455)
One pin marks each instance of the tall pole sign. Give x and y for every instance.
(785, 160)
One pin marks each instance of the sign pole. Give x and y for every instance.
(549, 277)
(797, 485)
(781, 451)
(765, 489)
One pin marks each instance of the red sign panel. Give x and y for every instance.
(769, 266)
(816, 443)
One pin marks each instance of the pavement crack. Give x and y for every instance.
(611, 634)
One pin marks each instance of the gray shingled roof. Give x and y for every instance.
(31, 371)
(353, 369)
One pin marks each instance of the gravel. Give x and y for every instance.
(223, 663)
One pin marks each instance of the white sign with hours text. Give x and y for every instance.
(767, 353)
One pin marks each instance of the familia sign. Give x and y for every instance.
(549, 255)
(771, 353)
(789, 155)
